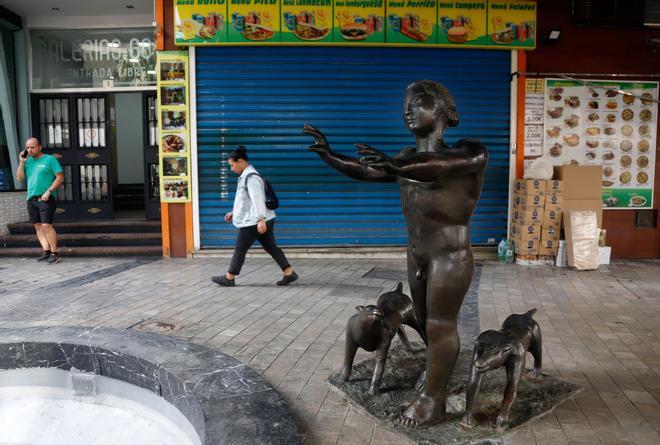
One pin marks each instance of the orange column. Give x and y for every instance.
(520, 114)
(175, 218)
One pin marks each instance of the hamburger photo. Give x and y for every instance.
(457, 34)
(354, 31)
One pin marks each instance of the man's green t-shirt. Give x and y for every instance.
(40, 174)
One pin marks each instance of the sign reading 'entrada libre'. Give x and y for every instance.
(92, 58)
(509, 24)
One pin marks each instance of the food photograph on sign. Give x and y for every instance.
(305, 24)
(172, 71)
(512, 23)
(250, 22)
(173, 95)
(175, 190)
(411, 24)
(359, 24)
(175, 166)
(612, 124)
(462, 24)
(173, 119)
(200, 24)
(174, 143)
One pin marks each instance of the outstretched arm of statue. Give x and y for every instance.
(351, 167)
(462, 159)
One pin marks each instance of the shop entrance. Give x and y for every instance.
(107, 145)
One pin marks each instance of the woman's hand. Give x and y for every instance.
(262, 227)
(229, 216)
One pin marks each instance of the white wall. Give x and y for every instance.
(130, 142)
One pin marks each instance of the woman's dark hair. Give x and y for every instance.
(239, 153)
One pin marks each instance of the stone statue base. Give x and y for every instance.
(536, 396)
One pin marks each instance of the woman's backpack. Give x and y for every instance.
(272, 201)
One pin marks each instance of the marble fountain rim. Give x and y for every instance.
(225, 400)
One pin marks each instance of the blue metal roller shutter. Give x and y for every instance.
(260, 97)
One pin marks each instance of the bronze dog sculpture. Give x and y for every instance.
(506, 347)
(373, 328)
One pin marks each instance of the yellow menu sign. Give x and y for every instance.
(174, 126)
(501, 24)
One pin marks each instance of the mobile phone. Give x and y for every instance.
(24, 154)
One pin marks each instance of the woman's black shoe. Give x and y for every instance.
(288, 279)
(223, 281)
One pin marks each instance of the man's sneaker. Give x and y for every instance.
(44, 256)
(54, 258)
(222, 280)
(288, 279)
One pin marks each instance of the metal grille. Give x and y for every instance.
(261, 97)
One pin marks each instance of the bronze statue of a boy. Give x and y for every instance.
(440, 186)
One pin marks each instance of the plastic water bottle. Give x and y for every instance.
(501, 253)
(509, 249)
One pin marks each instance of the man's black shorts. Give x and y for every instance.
(41, 211)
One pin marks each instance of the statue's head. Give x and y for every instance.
(428, 105)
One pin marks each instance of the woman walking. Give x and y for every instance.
(255, 222)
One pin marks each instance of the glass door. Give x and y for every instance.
(74, 129)
(151, 168)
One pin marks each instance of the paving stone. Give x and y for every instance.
(600, 329)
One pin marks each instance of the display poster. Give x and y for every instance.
(411, 21)
(199, 22)
(534, 117)
(592, 122)
(359, 21)
(306, 21)
(174, 126)
(505, 24)
(253, 21)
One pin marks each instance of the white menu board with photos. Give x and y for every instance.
(595, 124)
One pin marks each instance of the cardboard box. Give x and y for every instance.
(526, 247)
(581, 239)
(585, 204)
(554, 199)
(552, 215)
(554, 186)
(528, 201)
(549, 248)
(526, 232)
(529, 186)
(527, 216)
(580, 181)
(604, 254)
(550, 232)
(549, 241)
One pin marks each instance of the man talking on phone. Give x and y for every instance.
(44, 176)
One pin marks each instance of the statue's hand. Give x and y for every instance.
(320, 142)
(373, 158)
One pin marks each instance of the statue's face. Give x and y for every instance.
(420, 114)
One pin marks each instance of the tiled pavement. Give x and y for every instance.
(600, 330)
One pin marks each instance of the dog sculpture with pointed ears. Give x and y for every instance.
(373, 328)
(506, 347)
